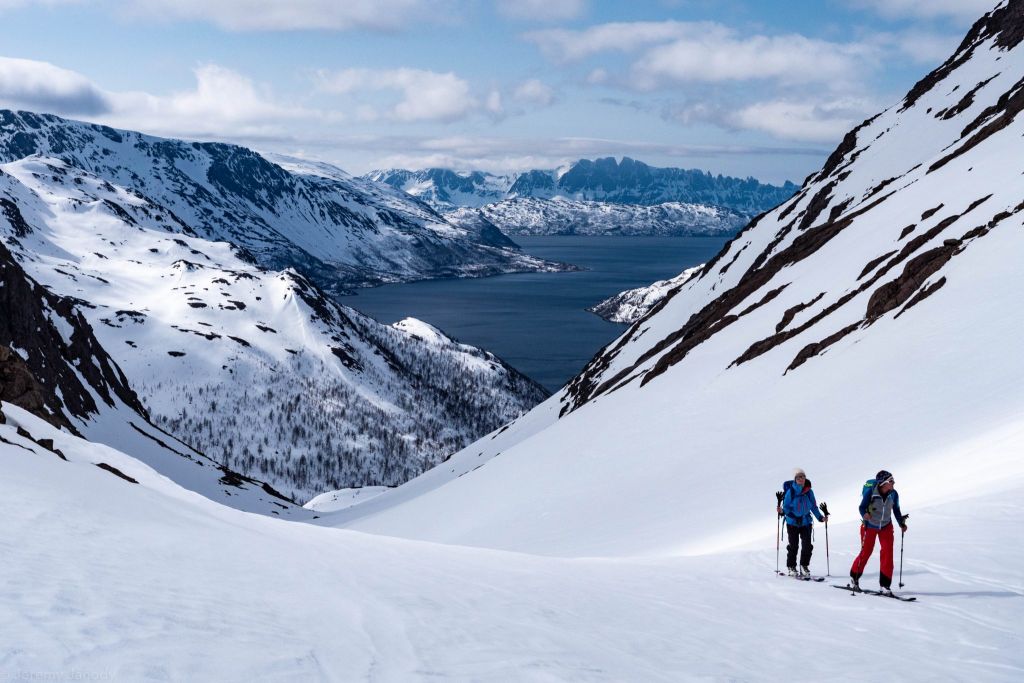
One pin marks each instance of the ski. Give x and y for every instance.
(854, 591)
(818, 579)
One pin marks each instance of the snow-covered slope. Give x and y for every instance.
(559, 216)
(872, 321)
(109, 579)
(256, 368)
(633, 304)
(52, 366)
(338, 231)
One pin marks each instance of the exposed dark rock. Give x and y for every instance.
(920, 268)
(849, 144)
(999, 116)
(817, 204)
(872, 264)
(60, 366)
(907, 230)
(923, 294)
(14, 217)
(816, 348)
(931, 212)
(1005, 24)
(19, 387)
(965, 102)
(113, 470)
(791, 313)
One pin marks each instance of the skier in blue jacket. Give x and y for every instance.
(798, 505)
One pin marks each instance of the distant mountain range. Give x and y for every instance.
(605, 180)
(592, 197)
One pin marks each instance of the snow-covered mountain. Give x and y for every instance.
(445, 189)
(339, 231)
(559, 216)
(633, 304)
(600, 180)
(53, 367)
(872, 321)
(256, 368)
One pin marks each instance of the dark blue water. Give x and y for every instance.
(538, 322)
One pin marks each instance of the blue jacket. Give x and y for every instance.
(799, 505)
(881, 507)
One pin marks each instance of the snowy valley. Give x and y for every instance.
(624, 529)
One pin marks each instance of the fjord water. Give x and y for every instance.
(538, 322)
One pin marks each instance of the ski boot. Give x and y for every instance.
(854, 583)
(805, 572)
(791, 572)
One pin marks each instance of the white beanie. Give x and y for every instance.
(798, 471)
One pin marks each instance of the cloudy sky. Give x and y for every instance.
(743, 87)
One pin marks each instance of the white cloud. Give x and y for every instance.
(920, 46)
(563, 45)
(534, 91)
(716, 58)
(674, 52)
(927, 9)
(29, 84)
(425, 95)
(493, 103)
(223, 103)
(803, 120)
(290, 15)
(542, 10)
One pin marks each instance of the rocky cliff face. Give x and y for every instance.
(50, 362)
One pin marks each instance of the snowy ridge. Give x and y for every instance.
(559, 216)
(339, 231)
(633, 304)
(865, 323)
(255, 368)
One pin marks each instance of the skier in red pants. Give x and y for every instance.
(879, 503)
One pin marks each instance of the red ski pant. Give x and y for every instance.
(867, 546)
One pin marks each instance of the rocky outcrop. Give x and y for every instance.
(54, 364)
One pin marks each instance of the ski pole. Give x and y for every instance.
(778, 527)
(828, 562)
(902, 534)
